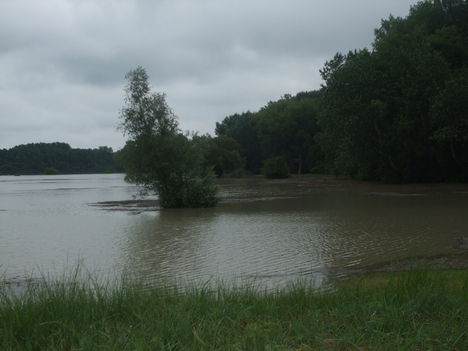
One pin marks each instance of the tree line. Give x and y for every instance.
(53, 158)
(397, 112)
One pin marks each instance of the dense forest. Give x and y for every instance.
(397, 112)
(52, 158)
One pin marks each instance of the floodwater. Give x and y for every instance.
(263, 232)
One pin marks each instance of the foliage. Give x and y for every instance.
(35, 158)
(224, 155)
(397, 311)
(398, 113)
(157, 156)
(275, 167)
(243, 129)
(450, 120)
(285, 127)
(51, 171)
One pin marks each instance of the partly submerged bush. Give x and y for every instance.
(158, 156)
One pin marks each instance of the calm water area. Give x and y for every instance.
(263, 232)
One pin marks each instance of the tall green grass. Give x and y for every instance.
(397, 311)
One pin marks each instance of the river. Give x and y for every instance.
(263, 232)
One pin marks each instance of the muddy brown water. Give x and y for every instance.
(263, 232)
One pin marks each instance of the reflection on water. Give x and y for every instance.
(268, 232)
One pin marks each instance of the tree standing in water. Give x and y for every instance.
(157, 156)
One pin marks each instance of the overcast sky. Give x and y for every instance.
(63, 62)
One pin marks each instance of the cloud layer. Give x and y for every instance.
(62, 62)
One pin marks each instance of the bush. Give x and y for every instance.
(275, 167)
(237, 173)
(51, 171)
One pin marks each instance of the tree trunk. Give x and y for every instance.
(454, 155)
(299, 166)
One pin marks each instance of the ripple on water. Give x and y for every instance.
(267, 232)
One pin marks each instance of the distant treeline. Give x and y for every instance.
(40, 158)
(395, 113)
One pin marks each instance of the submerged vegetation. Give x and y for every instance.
(157, 155)
(398, 311)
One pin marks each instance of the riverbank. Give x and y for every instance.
(385, 311)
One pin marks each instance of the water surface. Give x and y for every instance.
(267, 232)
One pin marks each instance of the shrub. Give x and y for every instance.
(51, 171)
(275, 167)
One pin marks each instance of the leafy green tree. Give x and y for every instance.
(243, 129)
(224, 154)
(157, 156)
(450, 120)
(347, 130)
(288, 127)
(376, 117)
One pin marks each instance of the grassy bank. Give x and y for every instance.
(396, 311)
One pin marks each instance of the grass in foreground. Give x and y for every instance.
(397, 311)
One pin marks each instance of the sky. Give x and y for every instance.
(63, 62)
